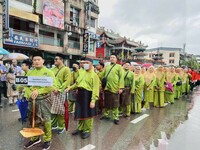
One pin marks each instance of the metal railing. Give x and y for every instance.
(50, 41)
(74, 44)
(24, 33)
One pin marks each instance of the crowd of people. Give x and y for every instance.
(110, 91)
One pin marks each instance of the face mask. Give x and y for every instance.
(74, 68)
(86, 66)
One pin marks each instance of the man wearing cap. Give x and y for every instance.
(114, 87)
(72, 93)
(26, 64)
(129, 89)
(63, 78)
(88, 93)
(100, 69)
(43, 101)
(100, 73)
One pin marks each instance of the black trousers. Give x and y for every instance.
(4, 89)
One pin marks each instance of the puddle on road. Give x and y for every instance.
(173, 117)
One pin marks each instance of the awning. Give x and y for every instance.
(24, 15)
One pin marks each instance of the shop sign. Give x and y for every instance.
(20, 40)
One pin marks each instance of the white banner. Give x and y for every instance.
(40, 81)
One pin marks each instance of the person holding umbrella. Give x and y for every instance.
(63, 79)
(88, 93)
(43, 101)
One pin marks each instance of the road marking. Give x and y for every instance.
(88, 147)
(15, 110)
(165, 104)
(139, 118)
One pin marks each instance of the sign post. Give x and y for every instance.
(86, 42)
(34, 81)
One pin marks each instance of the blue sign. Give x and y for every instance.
(20, 40)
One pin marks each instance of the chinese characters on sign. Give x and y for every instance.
(21, 40)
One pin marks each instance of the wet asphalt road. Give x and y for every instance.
(169, 128)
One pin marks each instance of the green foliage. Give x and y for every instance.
(191, 63)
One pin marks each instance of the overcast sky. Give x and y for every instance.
(155, 22)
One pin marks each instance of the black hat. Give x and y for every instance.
(128, 62)
(60, 55)
(76, 63)
(89, 59)
(83, 58)
(27, 62)
(38, 53)
(102, 64)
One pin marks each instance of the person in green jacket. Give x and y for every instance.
(159, 94)
(72, 94)
(26, 64)
(88, 93)
(114, 87)
(43, 101)
(172, 78)
(139, 85)
(150, 79)
(129, 89)
(100, 73)
(178, 92)
(100, 69)
(63, 79)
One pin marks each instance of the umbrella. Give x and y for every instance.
(147, 65)
(15, 56)
(169, 87)
(134, 63)
(66, 116)
(3, 52)
(23, 107)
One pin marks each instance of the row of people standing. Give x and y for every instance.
(7, 80)
(121, 91)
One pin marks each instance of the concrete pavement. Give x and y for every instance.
(156, 131)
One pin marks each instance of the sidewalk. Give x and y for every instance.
(187, 135)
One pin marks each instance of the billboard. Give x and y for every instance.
(53, 13)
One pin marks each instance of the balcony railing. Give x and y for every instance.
(74, 45)
(50, 41)
(24, 33)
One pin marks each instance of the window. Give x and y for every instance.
(92, 23)
(171, 61)
(74, 16)
(28, 2)
(91, 46)
(171, 54)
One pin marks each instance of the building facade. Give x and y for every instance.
(52, 26)
(112, 43)
(167, 55)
